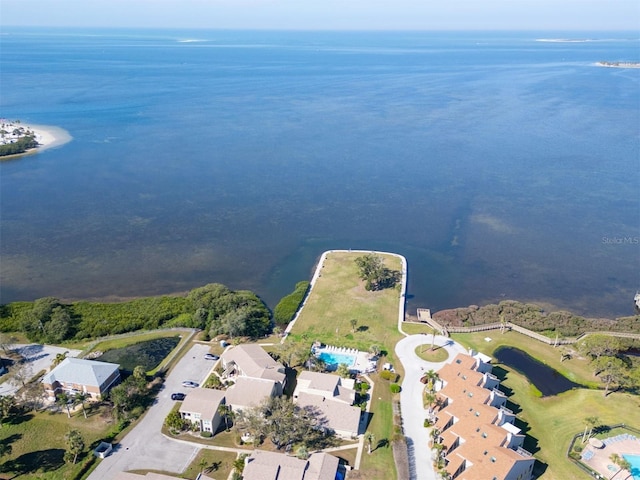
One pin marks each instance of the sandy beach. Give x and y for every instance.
(47, 136)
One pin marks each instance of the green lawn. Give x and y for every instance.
(337, 297)
(552, 421)
(38, 444)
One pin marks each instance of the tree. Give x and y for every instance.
(369, 438)
(7, 403)
(22, 372)
(174, 421)
(343, 370)
(621, 462)
(7, 342)
(285, 423)
(353, 322)
(57, 328)
(611, 370)
(375, 350)
(590, 422)
(374, 273)
(225, 412)
(59, 359)
(302, 452)
(429, 379)
(75, 445)
(62, 399)
(140, 373)
(79, 399)
(238, 463)
(600, 345)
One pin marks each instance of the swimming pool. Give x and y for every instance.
(634, 460)
(332, 358)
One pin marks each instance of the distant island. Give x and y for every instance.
(17, 138)
(619, 64)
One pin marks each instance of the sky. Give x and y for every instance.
(558, 15)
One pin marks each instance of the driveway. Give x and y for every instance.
(40, 357)
(413, 412)
(145, 448)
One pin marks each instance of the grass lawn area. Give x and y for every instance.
(552, 421)
(214, 463)
(337, 297)
(438, 354)
(38, 444)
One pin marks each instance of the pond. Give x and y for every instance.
(149, 353)
(545, 378)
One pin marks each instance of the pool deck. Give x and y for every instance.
(599, 458)
(363, 362)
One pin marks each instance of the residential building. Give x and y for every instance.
(476, 429)
(326, 385)
(201, 406)
(326, 394)
(262, 465)
(252, 361)
(249, 392)
(76, 375)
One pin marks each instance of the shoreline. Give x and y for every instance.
(47, 136)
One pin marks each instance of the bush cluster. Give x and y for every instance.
(288, 306)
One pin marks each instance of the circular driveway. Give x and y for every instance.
(413, 412)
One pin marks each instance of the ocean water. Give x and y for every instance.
(501, 166)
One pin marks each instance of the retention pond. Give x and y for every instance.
(545, 378)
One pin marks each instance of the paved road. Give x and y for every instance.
(413, 412)
(39, 357)
(145, 447)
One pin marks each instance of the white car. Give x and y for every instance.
(189, 384)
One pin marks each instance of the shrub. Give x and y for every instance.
(395, 388)
(577, 448)
(387, 375)
(288, 306)
(206, 434)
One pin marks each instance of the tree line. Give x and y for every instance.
(19, 146)
(214, 308)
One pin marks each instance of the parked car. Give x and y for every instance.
(211, 356)
(189, 384)
(178, 396)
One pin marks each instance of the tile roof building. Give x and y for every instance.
(75, 375)
(476, 429)
(262, 465)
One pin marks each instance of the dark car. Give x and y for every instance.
(211, 356)
(178, 396)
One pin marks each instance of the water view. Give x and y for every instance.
(547, 380)
(500, 166)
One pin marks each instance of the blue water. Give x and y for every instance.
(500, 166)
(634, 460)
(337, 359)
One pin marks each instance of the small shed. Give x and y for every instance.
(103, 450)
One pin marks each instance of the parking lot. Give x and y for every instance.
(145, 448)
(39, 357)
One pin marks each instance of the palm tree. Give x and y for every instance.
(63, 400)
(353, 323)
(370, 438)
(59, 359)
(430, 379)
(224, 411)
(589, 422)
(79, 399)
(621, 462)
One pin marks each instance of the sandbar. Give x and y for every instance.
(47, 136)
